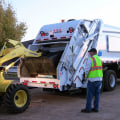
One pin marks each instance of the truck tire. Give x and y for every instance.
(17, 98)
(109, 78)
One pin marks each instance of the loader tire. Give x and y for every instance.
(110, 78)
(17, 98)
(1, 99)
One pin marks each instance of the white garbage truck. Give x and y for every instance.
(64, 47)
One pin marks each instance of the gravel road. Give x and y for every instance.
(54, 106)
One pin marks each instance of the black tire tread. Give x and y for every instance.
(9, 98)
(107, 86)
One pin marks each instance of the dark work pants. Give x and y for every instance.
(93, 89)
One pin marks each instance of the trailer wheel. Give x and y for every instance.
(17, 98)
(109, 80)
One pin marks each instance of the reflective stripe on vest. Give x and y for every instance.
(96, 68)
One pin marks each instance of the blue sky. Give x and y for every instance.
(36, 13)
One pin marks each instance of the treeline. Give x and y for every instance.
(9, 25)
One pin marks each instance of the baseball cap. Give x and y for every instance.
(93, 50)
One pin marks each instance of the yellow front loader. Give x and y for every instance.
(15, 96)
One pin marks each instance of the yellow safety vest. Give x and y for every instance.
(96, 68)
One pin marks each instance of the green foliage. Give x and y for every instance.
(9, 26)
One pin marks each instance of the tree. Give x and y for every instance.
(9, 26)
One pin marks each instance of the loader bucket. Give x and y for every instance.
(44, 65)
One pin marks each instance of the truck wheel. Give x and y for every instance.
(109, 80)
(17, 98)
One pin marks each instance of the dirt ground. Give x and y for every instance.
(54, 106)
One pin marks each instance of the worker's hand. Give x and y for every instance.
(84, 79)
(84, 75)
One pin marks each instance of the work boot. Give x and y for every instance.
(85, 111)
(94, 110)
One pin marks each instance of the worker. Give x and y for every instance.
(94, 75)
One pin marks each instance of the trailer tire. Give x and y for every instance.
(17, 98)
(110, 78)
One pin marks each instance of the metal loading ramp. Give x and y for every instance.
(44, 65)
